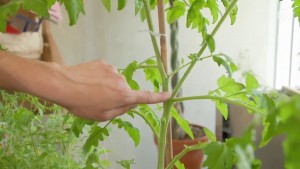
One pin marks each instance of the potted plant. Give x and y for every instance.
(235, 151)
(179, 138)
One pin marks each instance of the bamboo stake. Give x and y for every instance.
(162, 31)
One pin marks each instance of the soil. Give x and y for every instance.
(198, 132)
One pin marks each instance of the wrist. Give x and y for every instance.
(49, 83)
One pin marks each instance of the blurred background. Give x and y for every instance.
(265, 40)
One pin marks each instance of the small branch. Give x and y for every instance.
(108, 123)
(3, 163)
(198, 146)
(186, 3)
(146, 120)
(224, 99)
(33, 143)
(146, 60)
(142, 67)
(178, 69)
(178, 86)
(205, 57)
(147, 66)
(243, 92)
(183, 66)
(64, 147)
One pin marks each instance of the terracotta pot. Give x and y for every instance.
(193, 159)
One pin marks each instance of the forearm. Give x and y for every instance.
(93, 90)
(33, 77)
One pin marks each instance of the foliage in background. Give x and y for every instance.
(76, 7)
(29, 139)
(296, 6)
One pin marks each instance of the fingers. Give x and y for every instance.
(107, 115)
(147, 97)
(102, 115)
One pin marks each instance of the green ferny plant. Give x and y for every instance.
(277, 114)
(30, 138)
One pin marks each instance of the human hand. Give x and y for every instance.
(92, 90)
(95, 90)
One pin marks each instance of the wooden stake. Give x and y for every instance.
(162, 31)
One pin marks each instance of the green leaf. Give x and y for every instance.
(267, 102)
(227, 65)
(175, 12)
(6, 11)
(211, 136)
(195, 19)
(210, 43)
(38, 6)
(78, 124)
(153, 4)
(289, 119)
(74, 8)
(128, 73)
(126, 164)
(51, 3)
(182, 61)
(192, 56)
(150, 117)
(233, 66)
(246, 158)
(184, 124)
(179, 165)
(23, 117)
(229, 85)
(121, 4)
(233, 12)
(214, 9)
(1, 48)
(251, 82)
(296, 9)
(153, 74)
(244, 149)
(138, 6)
(292, 148)
(107, 4)
(223, 108)
(94, 138)
(219, 156)
(133, 132)
(91, 159)
(143, 14)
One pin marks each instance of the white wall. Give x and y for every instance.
(117, 37)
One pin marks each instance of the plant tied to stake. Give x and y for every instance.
(277, 114)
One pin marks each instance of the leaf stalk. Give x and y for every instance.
(198, 146)
(215, 30)
(224, 99)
